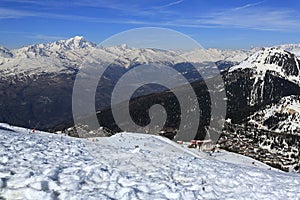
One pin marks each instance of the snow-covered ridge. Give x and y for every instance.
(48, 49)
(56, 57)
(126, 166)
(275, 61)
(59, 56)
(271, 59)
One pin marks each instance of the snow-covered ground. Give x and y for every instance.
(129, 166)
(235, 158)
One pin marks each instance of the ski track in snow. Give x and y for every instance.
(126, 166)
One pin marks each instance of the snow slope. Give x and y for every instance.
(231, 157)
(126, 166)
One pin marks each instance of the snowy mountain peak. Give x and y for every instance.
(78, 42)
(124, 46)
(61, 46)
(77, 38)
(60, 56)
(266, 64)
(274, 56)
(272, 59)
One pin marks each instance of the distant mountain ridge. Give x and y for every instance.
(293, 48)
(37, 80)
(61, 55)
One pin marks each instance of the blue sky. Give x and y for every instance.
(227, 24)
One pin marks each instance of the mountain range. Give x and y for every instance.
(262, 87)
(50, 69)
(36, 81)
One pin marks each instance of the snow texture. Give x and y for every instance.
(45, 166)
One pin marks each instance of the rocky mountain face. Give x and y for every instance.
(264, 78)
(279, 117)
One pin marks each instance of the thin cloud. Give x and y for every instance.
(108, 4)
(15, 32)
(248, 17)
(248, 5)
(171, 4)
(253, 18)
(21, 1)
(46, 37)
(47, 4)
(13, 14)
